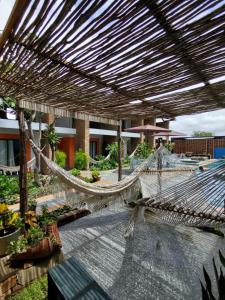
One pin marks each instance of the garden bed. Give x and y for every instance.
(19, 269)
(9, 192)
(13, 279)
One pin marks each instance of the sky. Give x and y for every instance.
(210, 121)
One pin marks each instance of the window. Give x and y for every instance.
(93, 149)
(9, 152)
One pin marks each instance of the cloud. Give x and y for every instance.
(211, 121)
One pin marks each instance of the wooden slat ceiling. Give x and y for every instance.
(95, 57)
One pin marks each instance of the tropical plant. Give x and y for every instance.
(6, 102)
(95, 175)
(75, 172)
(53, 138)
(80, 160)
(113, 151)
(9, 220)
(169, 146)
(45, 218)
(60, 158)
(143, 151)
(207, 291)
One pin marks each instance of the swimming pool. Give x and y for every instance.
(216, 163)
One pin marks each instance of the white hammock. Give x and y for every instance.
(12, 169)
(84, 187)
(96, 162)
(93, 161)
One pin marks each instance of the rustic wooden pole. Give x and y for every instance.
(23, 163)
(119, 129)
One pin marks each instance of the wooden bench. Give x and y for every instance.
(70, 281)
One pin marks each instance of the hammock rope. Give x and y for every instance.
(93, 161)
(12, 169)
(88, 188)
(197, 201)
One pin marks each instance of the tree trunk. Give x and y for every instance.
(36, 154)
(119, 152)
(53, 152)
(23, 164)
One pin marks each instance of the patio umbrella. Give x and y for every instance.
(170, 133)
(147, 129)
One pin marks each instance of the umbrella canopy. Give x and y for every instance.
(147, 128)
(170, 133)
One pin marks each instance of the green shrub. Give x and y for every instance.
(113, 150)
(95, 175)
(88, 179)
(143, 151)
(113, 163)
(80, 160)
(169, 146)
(126, 161)
(75, 172)
(9, 186)
(60, 158)
(100, 157)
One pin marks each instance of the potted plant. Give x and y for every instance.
(49, 224)
(34, 244)
(95, 175)
(10, 224)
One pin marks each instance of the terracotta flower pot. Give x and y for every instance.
(53, 231)
(43, 249)
(5, 241)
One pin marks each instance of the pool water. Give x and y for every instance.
(216, 163)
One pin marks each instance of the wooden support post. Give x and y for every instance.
(23, 164)
(119, 129)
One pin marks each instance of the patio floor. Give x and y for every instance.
(159, 262)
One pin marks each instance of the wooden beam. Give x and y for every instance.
(48, 109)
(23, 164)
(119, 129)
(13, 21)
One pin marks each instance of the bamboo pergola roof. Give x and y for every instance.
(95, 57)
